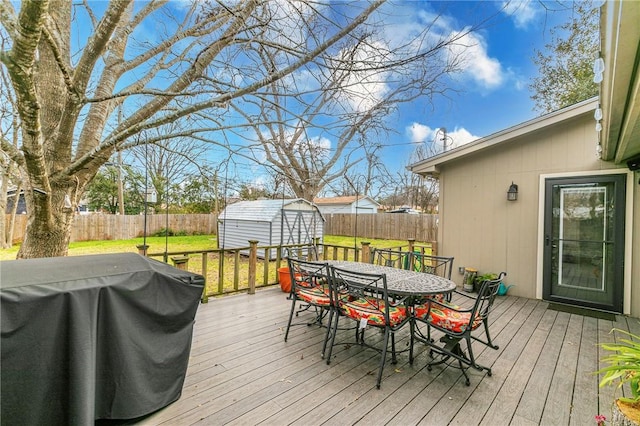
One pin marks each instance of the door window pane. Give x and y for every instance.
(581, 226)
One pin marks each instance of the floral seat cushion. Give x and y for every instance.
(373, 311)
(309, 282)
(314, 295)
(447, 317)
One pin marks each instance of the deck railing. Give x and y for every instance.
(232, 270)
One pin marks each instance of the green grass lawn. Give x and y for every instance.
(188, 243)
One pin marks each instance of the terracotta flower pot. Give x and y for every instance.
(285, 279)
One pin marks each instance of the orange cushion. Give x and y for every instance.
(315, 296)
(302, 281)
(421, 310)
(447, 317)
(373, 311)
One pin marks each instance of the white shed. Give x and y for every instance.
(348, 204)
(270, 222)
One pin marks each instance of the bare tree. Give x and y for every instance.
(167, 162)
(9, 172)
(196, 61)
(318, 123)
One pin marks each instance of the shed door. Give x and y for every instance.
(298, 227)
(584, 241)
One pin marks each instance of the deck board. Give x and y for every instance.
(241, 372)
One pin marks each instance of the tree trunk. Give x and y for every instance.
(47, 236)
(44, 241)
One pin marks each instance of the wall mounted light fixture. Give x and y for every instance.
(512, 193)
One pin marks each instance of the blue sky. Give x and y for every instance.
(492, 91)
(494, 88)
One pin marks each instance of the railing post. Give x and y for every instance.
(366, 252)
(253, 260)
(412, 244)
(142, 249)
(278, 258)
(205, 296)
(316, 244)
(181, 262)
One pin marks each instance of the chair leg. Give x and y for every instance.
(411, 340)
(293, 308)
(328, 333)
(384, 356)
(333, 336)
(394, 361)
(486, 331)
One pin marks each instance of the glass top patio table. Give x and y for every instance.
(402, 282)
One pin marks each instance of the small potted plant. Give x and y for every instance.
(482, 278)
(624, 369)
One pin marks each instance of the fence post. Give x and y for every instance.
(253, 260)
(434, 248)
(181, 262)
(366, 252)
(142, 249)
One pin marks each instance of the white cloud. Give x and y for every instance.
(364, 88)
(420, 133)
(471, 50)
(320, 142)
(521, 11)
(462, 136)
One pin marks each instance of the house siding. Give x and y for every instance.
(485, 231)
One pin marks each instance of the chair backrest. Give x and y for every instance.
(486, 296)
(309, 252)
(436, 265)
(388, 257)
(348, 285)
(306, 274)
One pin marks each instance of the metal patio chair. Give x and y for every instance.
(437, 265)
(457, 324)
(389, 257)
(310, 288)
(363, 298)
(309, 252)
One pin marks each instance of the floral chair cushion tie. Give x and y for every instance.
(448, 317)
(373, 311)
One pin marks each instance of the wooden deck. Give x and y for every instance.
(241, 372)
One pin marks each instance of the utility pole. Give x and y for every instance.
(444, 139)
(120, 185)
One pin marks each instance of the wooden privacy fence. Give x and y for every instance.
(96, 227)
(389, 226)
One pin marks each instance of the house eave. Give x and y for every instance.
(431, 166)
(620, 89)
